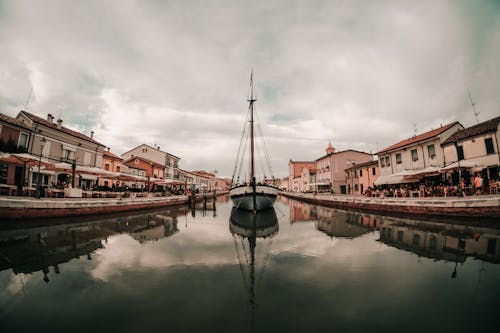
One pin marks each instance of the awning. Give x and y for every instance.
(319, 184)
(460, 165)
(396, 179)
(87, 176)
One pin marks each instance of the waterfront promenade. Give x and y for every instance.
(29, 208)
(483, 206)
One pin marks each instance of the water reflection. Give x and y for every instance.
(318, 269)
(436, 240)
(246, 227)
(37, 249)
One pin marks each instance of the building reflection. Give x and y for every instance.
(442, 241)
(436, 240)
(46, 248)
(333, 222)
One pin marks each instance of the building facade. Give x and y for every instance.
(477, 148)
(414, 154)
(54, 143)
(170, 162)
(361, 176)
(331, 168)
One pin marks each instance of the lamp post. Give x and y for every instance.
(39, 180)
(459, 171)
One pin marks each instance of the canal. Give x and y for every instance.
(299, 268)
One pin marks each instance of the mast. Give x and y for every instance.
(252, 162)
(251, 100)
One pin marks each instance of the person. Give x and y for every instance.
(478, 184)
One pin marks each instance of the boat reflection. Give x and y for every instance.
(246, 227)
(37, 249)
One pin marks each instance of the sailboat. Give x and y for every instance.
(251, 195)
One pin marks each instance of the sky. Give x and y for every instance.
(363, 74)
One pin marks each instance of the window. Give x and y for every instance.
(382, 162)
(400, 235)
(388, 160)
(3, 173)
(431, 150)
(489, 146)
(460, 153)
(106, 167)
(373, 171)
(398, 159)
(414, 155)
(361, 173)
(416, 239)
(118, 169)
(355, 187)
(66, 156)
(23, 140)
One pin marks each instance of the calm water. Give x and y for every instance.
(315, 270)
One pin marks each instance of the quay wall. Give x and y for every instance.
(12, 208)
(480, 206)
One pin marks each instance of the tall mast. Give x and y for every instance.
(251, 100)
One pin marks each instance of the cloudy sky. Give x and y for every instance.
(364, 74)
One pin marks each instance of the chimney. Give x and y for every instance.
(91, 134)
(50, 118)
(109, 148)
(59, 123)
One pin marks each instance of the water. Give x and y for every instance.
(317, 270)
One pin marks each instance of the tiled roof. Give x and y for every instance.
(418, 138)
(143, 159)
(13, 121)
(342, 151)
(484, 127)
(111, 155)
(362, 165)
(63, 129)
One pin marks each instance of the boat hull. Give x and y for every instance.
(242, 197)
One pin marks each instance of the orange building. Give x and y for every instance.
(113, 163)
(361, 176)
(152, 168)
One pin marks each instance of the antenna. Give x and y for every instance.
(28, 99)
(414, 129)
(473, 106)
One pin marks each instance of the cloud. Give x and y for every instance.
(176, 73)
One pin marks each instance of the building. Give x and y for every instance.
(14, 138)
(153, 169)
(410, 159)
(63, 147)
(113, 163)
(170, 162)
(295, 173)
(330, 168)
(361, 176)
(222, 184)
(476, 148)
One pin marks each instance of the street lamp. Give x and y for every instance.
(39, 180)
(459, 170)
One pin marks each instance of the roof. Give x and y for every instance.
(484, 127)
(54, 126)
(143, 159)
(111, 155)
(362, 165)
(418, 138)
(155, 148)
(301, 162)
(13, 121)
(342, 151)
